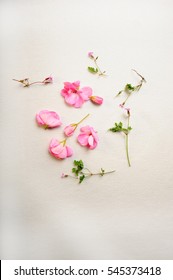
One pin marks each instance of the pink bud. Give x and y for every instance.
(96, 99)
(121, 106)
(64, 175)
(91, 55)
(48, 80)
(69, 129)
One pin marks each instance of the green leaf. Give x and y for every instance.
(92, 70)
(118, 127)
(81, 178)
(79, 166)
(74, 170)
(129, 87)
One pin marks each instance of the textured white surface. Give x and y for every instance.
(126, 215)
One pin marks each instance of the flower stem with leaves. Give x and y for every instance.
(81, 172)
(119, 128)
(129, 89)
(97, 69)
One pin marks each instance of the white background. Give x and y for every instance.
(128, 214)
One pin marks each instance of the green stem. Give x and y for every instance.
(99, 173)
(126, 99)
(127, 144)
(63, 142)
(83, 119)
(95, 61)
(35, 83)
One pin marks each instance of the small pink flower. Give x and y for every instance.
(75, 96)
(121, 106)
(48, 80)
(91, 55)
(48, 119)
(64, 175)
(96, 99)
(59, 150)
(88, 137)
(69, 129)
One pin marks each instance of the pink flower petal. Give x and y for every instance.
(94, 134)
(86, 92)
(53, 143)
(63, 153)
(71, 98)
(91, 140)
(69, 151)
(93, 146)
(79, 102)
(83, 139)
(39, 120)
(86, 129)
(57, 150)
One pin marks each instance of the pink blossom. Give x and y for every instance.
(75, 96)
(91, 54)
(48, 80)
(64, 175)
(48, 119)
(88, 137)
(96, 99)
(59, 150)
(121, 106)
(69, 129)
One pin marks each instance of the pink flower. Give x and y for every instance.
(48, 119)
(64, 175)
(121, 106)
(59, 150)
(96, 99)
(91, 55)
(48, 80)
(69, 129)
(75, 96)
(88, 137)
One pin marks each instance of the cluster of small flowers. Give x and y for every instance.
(88, 136)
